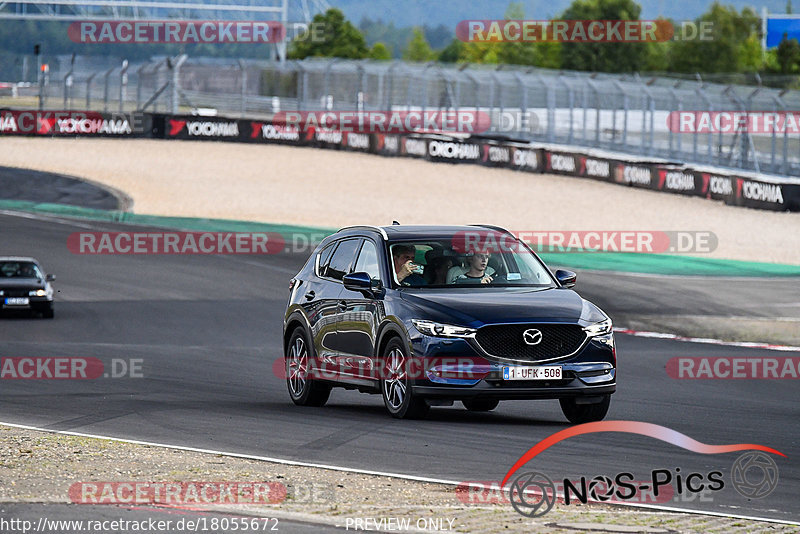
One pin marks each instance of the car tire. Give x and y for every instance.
(304, 390)
(48, 312)
(480, 405)
(396, 391)
(585, 413)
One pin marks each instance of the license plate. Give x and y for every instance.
(552, 372)
(17, 301)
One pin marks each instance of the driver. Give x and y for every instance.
(405, 269)
(26, 271)
(478, 264)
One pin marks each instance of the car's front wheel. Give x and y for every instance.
(396, 387)
(48, 312)
(578, 413)
(304, 389)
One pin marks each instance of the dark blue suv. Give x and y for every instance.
(429, 315)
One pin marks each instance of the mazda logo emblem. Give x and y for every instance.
(532, 336)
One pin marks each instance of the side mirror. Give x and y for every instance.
(566, 278)
(50, 278)
(361, 282)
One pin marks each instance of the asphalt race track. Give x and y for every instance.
(207, 329)
(38, 186)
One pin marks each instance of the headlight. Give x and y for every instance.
(598, 329)
(1, 293)
(429, 328)
(37, 293)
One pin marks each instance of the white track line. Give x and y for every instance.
(415, 478)
(707, 341)
(734, 278)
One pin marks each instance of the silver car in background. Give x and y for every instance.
(25, 286)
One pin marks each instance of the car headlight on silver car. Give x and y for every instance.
(598, 329)
(37, 293)
(430, 328)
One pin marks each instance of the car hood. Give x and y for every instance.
(37, 283)
(476, 307)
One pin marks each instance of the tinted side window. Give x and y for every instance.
(342, 259)
(323, 257)
(368, 260)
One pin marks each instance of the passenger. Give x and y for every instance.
(438, 263)
(478, 270)
(408, 273)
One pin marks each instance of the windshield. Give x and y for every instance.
(448, 263)
(19, 269)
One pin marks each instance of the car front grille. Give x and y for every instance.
(508, 341)
(16, 292)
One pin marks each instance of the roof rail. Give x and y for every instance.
(491, 227)
(371, 227)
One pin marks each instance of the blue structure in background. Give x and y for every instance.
(776, 27)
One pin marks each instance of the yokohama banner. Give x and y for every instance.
(765, 195)
(199, 128)
(597, 168)
(270, 132)
(73, 123)
(717, 186)
(636, 175)
(416, 147)
(495, 154)
(385, 145)
(678, 179)
(526, 158)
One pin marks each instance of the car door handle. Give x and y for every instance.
(310, 295)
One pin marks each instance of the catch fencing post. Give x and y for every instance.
(596, 108)
(176, 80)
(89, 90)
(243, 70)
(68, 85)
(105, 88)
(561, 79)
(123, 85)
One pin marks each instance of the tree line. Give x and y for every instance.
(732, 44)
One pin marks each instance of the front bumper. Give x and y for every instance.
(484, 390)
(589, 372)
(34, 303)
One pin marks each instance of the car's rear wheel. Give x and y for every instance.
(480, 405)
(396, 387)
(585, 413)
(304, 389)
